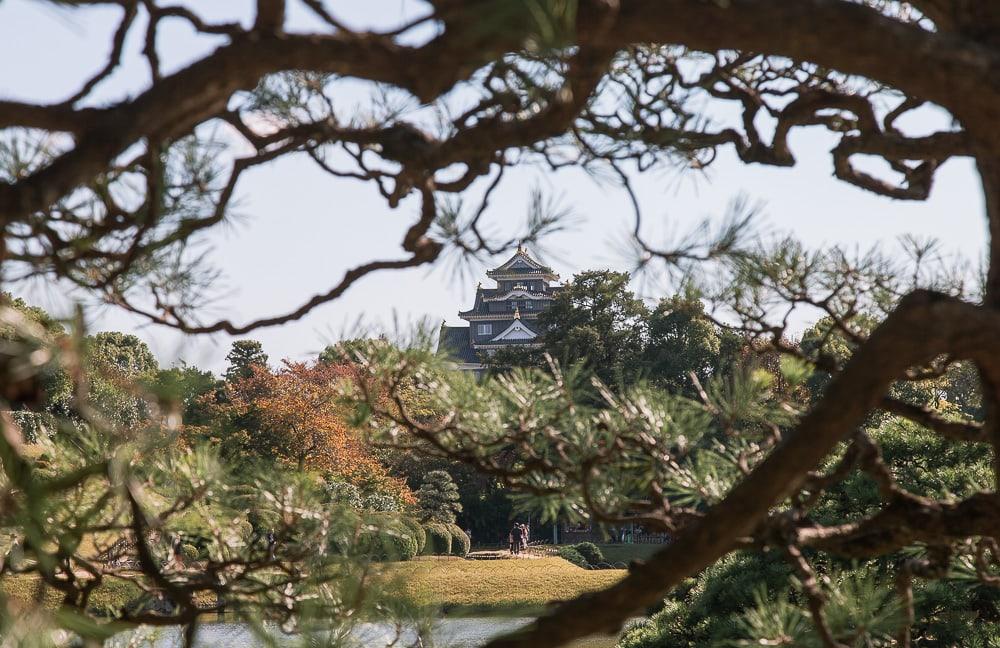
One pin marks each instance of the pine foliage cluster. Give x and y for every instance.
(438, 497)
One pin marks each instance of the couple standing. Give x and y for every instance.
(518, 538)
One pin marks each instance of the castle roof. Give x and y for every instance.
(521, 264)
(453, 341)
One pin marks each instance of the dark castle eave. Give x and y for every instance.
(470, 316)
(513, 275)
(507, 345)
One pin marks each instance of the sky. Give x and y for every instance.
(299, 229)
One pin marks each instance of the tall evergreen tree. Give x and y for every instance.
(438, 497)
(243, 356)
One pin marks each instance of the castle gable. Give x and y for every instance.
(516, 332)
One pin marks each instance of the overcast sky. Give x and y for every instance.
(300, 228)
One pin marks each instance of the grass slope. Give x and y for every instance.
(455, 585)
(495, 585)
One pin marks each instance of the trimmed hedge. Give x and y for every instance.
(438, 540)
(245, 529)
(388, 545)
(460, 543)
(572, 555)
(590, 552)
(109, 599)
(189, 552)
(587, 555)
(417, 531)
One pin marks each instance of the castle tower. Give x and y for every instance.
(503, 316)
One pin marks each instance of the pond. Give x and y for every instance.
(448, 633)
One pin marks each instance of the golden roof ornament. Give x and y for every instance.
(517, 312)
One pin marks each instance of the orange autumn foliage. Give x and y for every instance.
(293, 415)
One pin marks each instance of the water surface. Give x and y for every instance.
(447, 633)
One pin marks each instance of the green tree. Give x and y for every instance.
(597, 320)
(54, 381)
(345, 351)
(243, 356)
(121, 354)
(486, 504)
(186, 386)
(36, 395)
(682, 341)
(121, 365)
(705, 611)
(827, 348)
(438, 498)
(35, 314)
(963, 391)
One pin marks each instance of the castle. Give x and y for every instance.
(503, 316)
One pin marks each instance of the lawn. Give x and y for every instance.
(455, 585)
(496, 585)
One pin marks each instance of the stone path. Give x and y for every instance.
(502, 554)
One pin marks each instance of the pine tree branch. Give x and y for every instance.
(923, 326)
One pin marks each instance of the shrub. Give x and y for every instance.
(35, 426)
(388, 537)
(188, 552)
(602, 565)
(345, 493)
(708, 610)
(438, 540)
(244, 529)
(590, 552)
(460, 542)
(619, 565)
(417, 531)
(387, 545)
(193, 529)
(572, 555)
(383, 502)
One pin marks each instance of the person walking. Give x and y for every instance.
(517, 537)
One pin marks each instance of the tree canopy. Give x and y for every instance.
(120, 364)
(597, 322)
(683, 342)
(597, 319)
(244, 357)
(294, 416)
